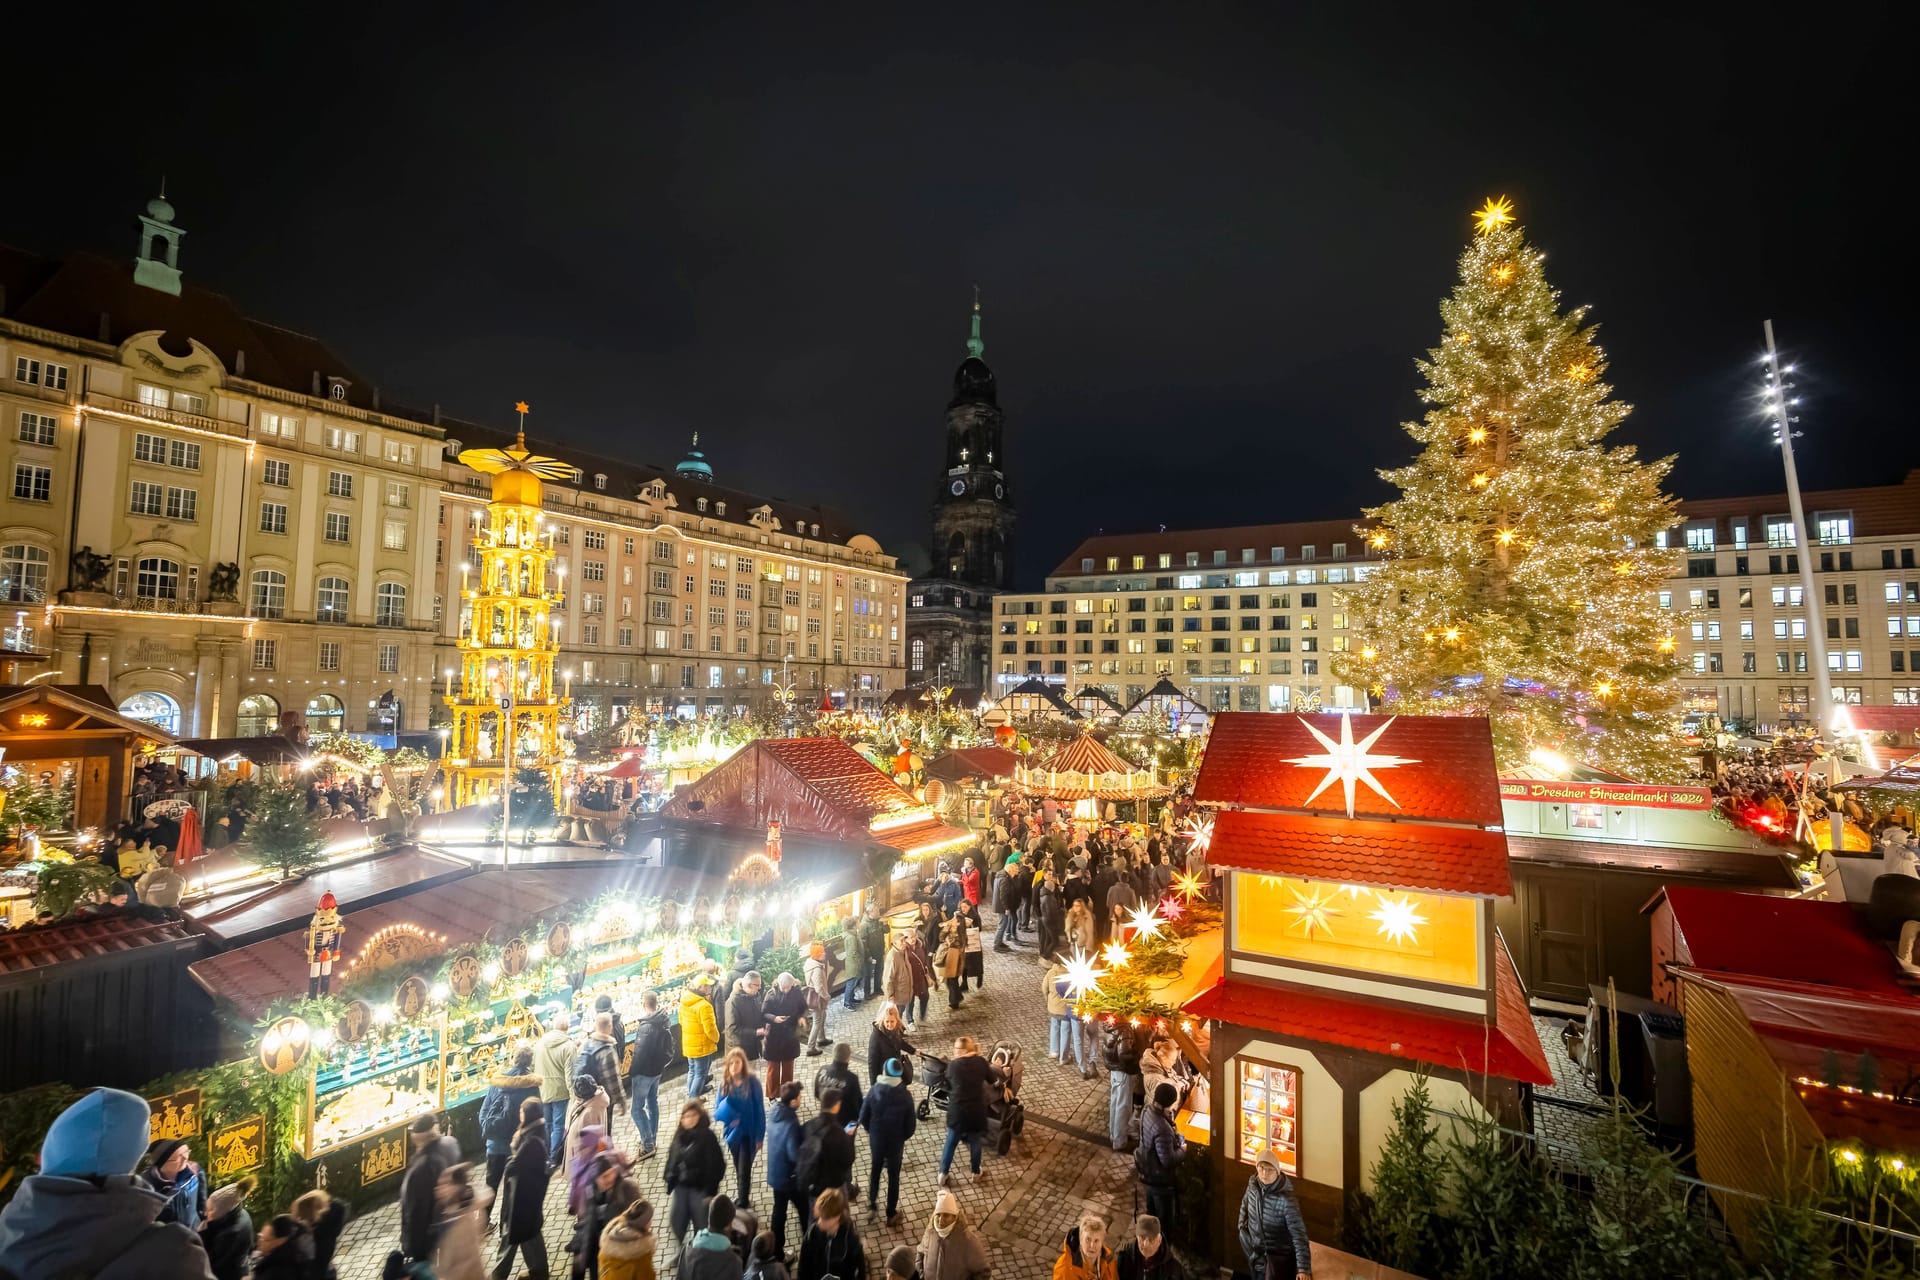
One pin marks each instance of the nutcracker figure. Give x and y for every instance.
(324, 934)
(773, 842)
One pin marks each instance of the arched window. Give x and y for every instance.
(330, 600)
(390, 605)
(156, 578)
(269, 595)
(957, 555)
(259, 715)
(23, 573)
(154, 708)
(919, 648)
(325, 714)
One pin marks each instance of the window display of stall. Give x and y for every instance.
(382, 1080)
(1269, 1114)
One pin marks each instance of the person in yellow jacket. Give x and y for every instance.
(626, 1246)
(699, 1034)
(1084, 1254)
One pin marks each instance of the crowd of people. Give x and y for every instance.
(762, 1166)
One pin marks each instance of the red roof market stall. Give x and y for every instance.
(1362, 857)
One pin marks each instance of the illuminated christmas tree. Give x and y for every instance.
(1521, 561)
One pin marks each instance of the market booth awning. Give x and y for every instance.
(974, 762)
(268, 749)
(1085, 768)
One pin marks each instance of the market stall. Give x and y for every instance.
(974, 775)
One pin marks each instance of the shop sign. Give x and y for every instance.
(382, 1157)
(238, 1147)
(1630, 795)
(177, 1115)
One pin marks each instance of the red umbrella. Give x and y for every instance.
(192, 845)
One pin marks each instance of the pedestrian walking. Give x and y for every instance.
(553, 1054)
(614, 1191)
(952, 958)
(896, 973)
(604, 1004)
(432, 1156)
(741, 1110)
(1120, 1050)
(695, 1165)
(854, 956)
(785, 1005)
(888, 1039)
(950, 1247)
(839, 1074)
(710, 1255)
(652, 1053)
(976, 960)
(227, 1234)
(283, 1252)
(970, 880)
(1006, 903)
(1051, 918)
(969, 1077)
(1082, 933)
(523, 1203)
(586, 1135)
(325, 1218)
(832, 1247)
(1146, 1256)
(1273, 1234)
(887, 1114)
(626, 1246)
(922, 967)
(746, 1016)
(1064, 1030)
(783, 1161)
(500, 1112)
(826, 1149)
(457, 1253)
(1084, 1254)
(699, 1034)
(1161, 1148)
(599, 1057)
(873, 945)
(819, 996)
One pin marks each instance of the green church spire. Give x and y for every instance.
(976, 345)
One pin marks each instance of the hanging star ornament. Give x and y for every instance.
(1115, 954)
(1171, 908)
(1398, 920)
(1083, 976)
(1188, 886)
(1313, 912)
(1496, 213)
(1199, 830)
(1144, 923)
(1350, 762)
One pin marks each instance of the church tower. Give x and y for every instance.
(949, 616)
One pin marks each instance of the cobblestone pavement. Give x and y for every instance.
(1060, 1165)
(1563, 1112)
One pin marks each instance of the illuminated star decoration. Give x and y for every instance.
(1398, 920)
(1144, 923)
(1170, 908)
(1083, 976)
(1496, 213)
(1350, 762)
(1115, 954)
(1313, 912)
(1200, 831)
(1188, 886)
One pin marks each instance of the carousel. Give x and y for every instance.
(1088, 775)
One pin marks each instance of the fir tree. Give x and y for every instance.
(1520, 561)
(282, 835)
(1514, 1217)
(1400, 1223)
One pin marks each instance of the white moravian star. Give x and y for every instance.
(1349, 762)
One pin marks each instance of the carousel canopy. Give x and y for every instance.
(1084, 769)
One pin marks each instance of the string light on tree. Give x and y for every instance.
(1515, 441)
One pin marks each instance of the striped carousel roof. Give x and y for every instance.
(1084, 769)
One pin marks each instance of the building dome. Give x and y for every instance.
(159, 209)
(973, 383)
(694, 465)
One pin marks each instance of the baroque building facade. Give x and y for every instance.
(949, 616)
(219, 521)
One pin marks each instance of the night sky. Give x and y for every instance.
(1210, 240)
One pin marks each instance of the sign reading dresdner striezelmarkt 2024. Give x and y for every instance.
(1632, 795)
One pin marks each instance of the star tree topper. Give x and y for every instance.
(1349, 762)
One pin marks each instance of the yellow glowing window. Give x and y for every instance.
(1269, 1119)
(1429, 937)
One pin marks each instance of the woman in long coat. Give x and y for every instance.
(953, 953)
(524, 1193)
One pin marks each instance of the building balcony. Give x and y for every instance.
(98, 403)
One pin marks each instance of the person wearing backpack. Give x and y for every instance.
(500, 1113)
(826, 1151)
(652, 1053)
(1159, 1153)
(783, 1160)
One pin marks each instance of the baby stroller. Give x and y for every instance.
(1006, 1117)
